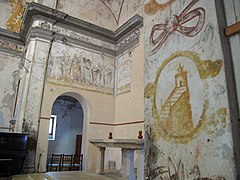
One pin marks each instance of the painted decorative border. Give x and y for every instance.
(10, 45)
(129, 39)
(116, 124)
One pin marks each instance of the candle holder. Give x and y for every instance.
(140, 135)
(110, 135)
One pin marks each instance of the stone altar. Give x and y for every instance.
(128, 147)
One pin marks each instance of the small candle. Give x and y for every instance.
(110, 135)
(140, 135)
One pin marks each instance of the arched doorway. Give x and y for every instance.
(65, 127)
(48, 101)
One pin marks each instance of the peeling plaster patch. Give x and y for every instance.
(9, 72)
(220, 132)
(225, 155)
(7, 101)
(225, 151)
(1, 119)
(3, 63)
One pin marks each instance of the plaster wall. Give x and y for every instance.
(9, 75)
(37, 72)
(97, 107)
(90, 75)
(233, 16)
(65, 68)
(5, 13)
(69, 124)
(129, 104)
(129, 9)
(187, 120)
(94, 11)
(37, 56)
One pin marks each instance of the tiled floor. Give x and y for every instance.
(67, 175)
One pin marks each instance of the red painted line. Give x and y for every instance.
(117, 124)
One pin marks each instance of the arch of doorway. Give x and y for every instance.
(42, 145)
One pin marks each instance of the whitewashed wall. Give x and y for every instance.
(187, 121)
(5, 13)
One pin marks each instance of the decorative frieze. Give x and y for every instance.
(76, 67)
(11, 45)
(123, 78)
(45, 25)
(133, 37)
(81, 37)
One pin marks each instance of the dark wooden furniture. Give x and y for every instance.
(56, 162)
(77, 162)
(13, 151)
(67, 162)
(78, 149)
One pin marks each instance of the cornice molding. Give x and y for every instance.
(42, 22)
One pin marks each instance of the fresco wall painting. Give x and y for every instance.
(152, 7)
(14, 21)
(123, 77)
(176, 24)
(187, 126)
(81, 68)
(115, 8)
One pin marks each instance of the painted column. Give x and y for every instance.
(187, 120)
(129, 164)
(140, 165)
(124, 154)
(100, 160)
(34, 89)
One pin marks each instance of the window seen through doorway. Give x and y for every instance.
(52, 127)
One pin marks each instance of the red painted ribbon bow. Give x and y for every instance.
(176, 24)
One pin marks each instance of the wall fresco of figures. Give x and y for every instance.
(81, 68)
(9, 82)
(187, 122)
(123, 78)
